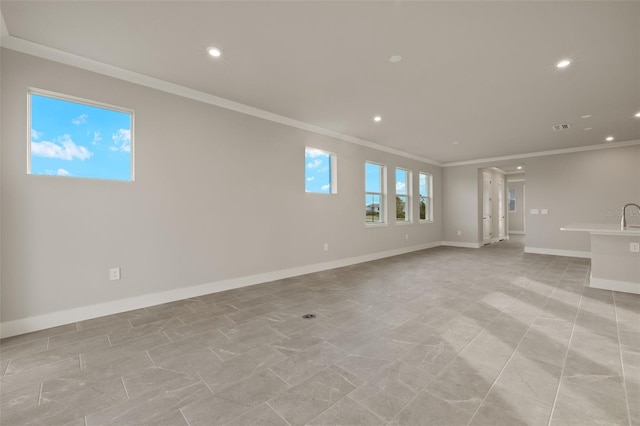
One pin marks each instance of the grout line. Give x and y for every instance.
(204, 383)
(125, 387)
(624, 378)
(6, 368)
(276, 411)
(276, 374)
(215, 354)
(566, 356)
(47, 348)
(151, 359)
(185, 419)
(40, 393)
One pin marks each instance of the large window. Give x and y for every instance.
(403, 195)
(374, 200)
(79, 138)
(511, 198)
(320, 171)
(426, 197)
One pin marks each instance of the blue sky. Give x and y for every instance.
(317, 171)
(78, 140)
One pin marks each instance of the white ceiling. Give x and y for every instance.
(478, 73)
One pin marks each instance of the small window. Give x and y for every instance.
(78, 138)
(403, 195)
(320, 171)
(512, 200)
(426, 197)
(375, 182)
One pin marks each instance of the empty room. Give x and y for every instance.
(319, 213)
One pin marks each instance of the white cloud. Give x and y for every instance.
(81, 119)
(96, 138)
(63, 172)
(400, 186)
(65, 149)
(313, 153)
(36, 134)
(122, 140)
(325, 187)
(310, 178)
(315, 163)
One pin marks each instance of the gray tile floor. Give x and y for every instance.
(446, 336)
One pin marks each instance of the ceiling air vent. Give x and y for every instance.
(559, 127)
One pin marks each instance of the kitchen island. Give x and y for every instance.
(614, 266)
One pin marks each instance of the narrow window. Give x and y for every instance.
(512, 200)
(403, 195)
(426, 189)
(374, 193)
(320, 171)
(79, 138)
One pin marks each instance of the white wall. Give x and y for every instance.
(516, 219)
(575, 187)
(218, 195)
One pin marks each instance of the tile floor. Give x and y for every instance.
(446, 336)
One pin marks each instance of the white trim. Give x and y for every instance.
(624, 286)
(461, 244)
(45, 52)
(544, 153)
(516, 180)
(558, 252)
(53, 319)
(516, 232)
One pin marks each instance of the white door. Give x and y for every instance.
(502, 221)
(486, 208)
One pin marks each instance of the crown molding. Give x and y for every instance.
(544, 153)
(49, 53)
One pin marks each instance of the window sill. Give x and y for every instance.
(375, 225)
(404, 223)
(426, 221)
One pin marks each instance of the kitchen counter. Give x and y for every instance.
(613, 265)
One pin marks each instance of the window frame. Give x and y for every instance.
(429, 197)
(333, 171)
(382, 215)
(408, 195)
(83, 101)
(509, 199)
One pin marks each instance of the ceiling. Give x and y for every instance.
(481, 74)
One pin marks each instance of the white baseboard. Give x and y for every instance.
(461, 244)
(557, 252)
(54, 319)
(516, 232)
(624, 286)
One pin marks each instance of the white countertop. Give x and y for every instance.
(601, 229)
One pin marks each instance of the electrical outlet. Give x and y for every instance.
(114, 274)
(406, 236)
(326, 246)
(544, 211)
(634, 247)
(459, 233)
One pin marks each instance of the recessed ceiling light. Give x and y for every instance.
(587, 116)
(455, 142)
(609, 138)
(377, 119)
(395, 59)
(563, 63)
(588, 128)
(519, 167)
(637, 115)
(214, 51)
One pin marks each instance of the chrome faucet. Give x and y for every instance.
(623, 224)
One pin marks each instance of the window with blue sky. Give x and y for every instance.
(426, 205)
(403, 195)
(374, 175)
(320, 173)
(76, 138)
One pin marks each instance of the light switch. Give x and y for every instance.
(544, 211)
(533, 211)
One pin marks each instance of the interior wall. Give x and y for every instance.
(516, 219)
(588, 186)
(217, 195)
